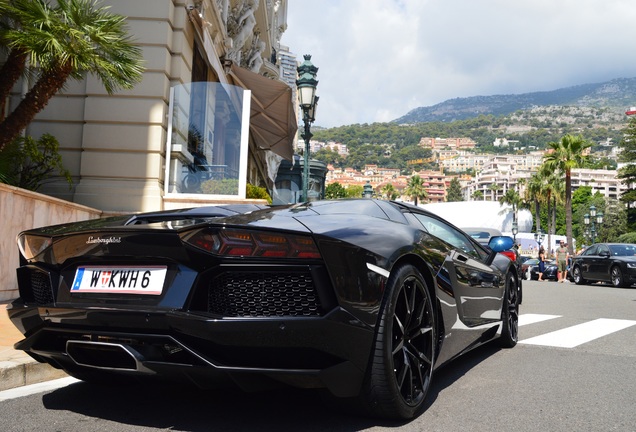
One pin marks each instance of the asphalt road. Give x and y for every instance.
(573, 370)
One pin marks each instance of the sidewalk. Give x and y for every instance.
(16, 367)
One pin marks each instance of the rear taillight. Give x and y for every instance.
(510, 254)
(238, 242)
(33, 245)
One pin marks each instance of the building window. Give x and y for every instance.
(207, 140)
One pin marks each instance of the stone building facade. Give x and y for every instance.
(121, 148)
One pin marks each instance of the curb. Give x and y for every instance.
(18, 373)
(17, 368)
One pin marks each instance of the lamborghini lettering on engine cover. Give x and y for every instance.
(119, 280)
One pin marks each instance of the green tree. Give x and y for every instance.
(327, 156)
(258, 192)
(56, 44)
(354, 191)
(478, 195)
(390, 192)
(335, 190)
(494, 188)
(565, 155)
(28, 163)
(512, 198)
(534, 193)
(553, 191)
(454, 191)
(627, 173)
(581, 199)
(415, 189)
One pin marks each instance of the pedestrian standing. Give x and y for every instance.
(562, 256)
(541, 263)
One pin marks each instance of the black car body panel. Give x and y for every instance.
(304, 317)
(606, 262)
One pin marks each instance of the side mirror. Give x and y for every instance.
(604, 254)
(500, 243)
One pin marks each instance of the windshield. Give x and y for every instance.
(622, 250)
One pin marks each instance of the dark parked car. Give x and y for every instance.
(364, 298)
(526, 267)
(606, 262)
(550, 272)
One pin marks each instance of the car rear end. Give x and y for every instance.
(211, 302)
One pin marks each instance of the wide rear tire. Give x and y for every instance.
(401, 368)
(510, 314)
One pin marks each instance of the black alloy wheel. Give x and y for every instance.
(578, 277)
(510, 314)
(402, 360)
(617, 277)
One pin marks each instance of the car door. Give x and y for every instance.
(599, 263)
(584, 261)
(478, 287)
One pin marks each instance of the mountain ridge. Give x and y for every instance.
(616, 94)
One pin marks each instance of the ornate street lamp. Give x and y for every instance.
(538, 236)
(591, 221)
(367, 190)
(515, 230)
(307, 84)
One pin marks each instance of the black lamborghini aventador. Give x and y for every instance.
(364, 298)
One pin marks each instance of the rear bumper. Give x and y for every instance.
(319, 352)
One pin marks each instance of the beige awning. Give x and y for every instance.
(273, 123)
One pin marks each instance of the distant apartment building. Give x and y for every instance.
(339, 148)
(448, 143)
(435, 184)
(604, 182)
(463, 162)
(452, 161)
(494, 175)
(504, 142)
(288, 63)
(498, 176)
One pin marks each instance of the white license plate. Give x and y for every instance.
(119, 280)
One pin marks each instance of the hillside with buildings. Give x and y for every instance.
(497, 145)
(486, 170)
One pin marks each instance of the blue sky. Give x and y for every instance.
(378, 59)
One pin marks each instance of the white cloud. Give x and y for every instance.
(378, 59)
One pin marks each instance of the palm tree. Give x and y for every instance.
(512, 198)
(415, 189)
(478, 195)
(389, 191)
(534, 193)
(563, 157)
(55, 44)
(494, 188)
(552, 189)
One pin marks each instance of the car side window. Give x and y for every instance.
(590, 251)
(601, 249)
(449, 235)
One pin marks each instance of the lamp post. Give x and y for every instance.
(538, 236)
(591, 221)
(306, 84)
(515, 230)
(367, 190)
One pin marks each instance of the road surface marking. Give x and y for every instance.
(526, 319)
(571, 337)
(36, 388)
